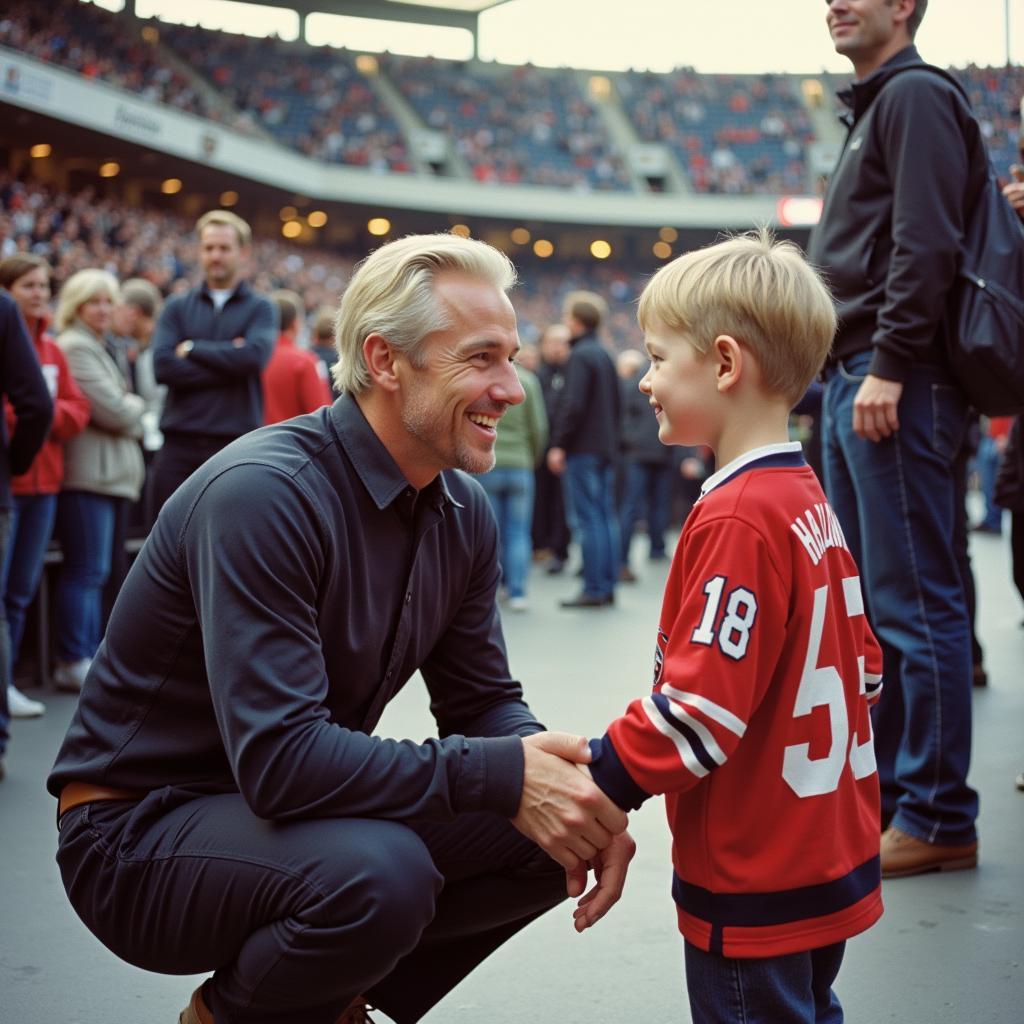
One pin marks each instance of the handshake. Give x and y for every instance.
(574, 822)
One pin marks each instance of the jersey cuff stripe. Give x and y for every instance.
(753, 909)
(691, 751)
(681, 715)
(707, 707)
(611, 776)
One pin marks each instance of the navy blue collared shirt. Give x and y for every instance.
(288, 590)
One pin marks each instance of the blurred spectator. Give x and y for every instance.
(648, 466)
(522, 440)
(990, 448)
(134, 320)
(23, 386)
(584, 445)
(321, 333)
(550, 529)
(294, 381)
(27, 278)
(210, 347)
(103, 469)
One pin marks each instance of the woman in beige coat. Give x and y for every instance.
(103, 466)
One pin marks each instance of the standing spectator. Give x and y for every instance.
(990, 448)
(520, 444)
(22, 385)
(134, 319)
(27, 278)
(585, 442)
(550, 528)
(295, 381)
(648, 466)
(321, 333)
(889, 241)
(103, 469)
(210, 347)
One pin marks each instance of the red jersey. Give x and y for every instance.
(757, 728)
(294, 382)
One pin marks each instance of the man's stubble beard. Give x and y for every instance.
(422, 422)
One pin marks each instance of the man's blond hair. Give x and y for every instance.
(77, 290)
(225, 218)
(392, 294)
(758, 290)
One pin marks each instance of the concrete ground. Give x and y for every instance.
(948, 951)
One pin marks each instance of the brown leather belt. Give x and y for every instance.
(74, 794)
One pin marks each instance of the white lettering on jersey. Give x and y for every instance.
(818, 530)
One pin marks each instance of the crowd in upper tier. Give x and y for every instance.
(732, 134)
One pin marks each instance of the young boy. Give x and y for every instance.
(757, 728)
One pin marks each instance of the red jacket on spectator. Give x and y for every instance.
(294, 382)
(70, 415)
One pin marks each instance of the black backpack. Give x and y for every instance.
(986, 308)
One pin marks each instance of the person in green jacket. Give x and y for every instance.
(522, 438)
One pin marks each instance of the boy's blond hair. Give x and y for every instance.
(225, 218)
(758, 290)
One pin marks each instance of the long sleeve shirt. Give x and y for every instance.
(216, 389)
(288, 591)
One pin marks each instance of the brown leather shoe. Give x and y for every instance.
(356, 1013)
(904, 855)
(197, 1012)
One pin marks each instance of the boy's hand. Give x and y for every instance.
(610, 867)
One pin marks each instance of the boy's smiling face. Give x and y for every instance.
(682, 386)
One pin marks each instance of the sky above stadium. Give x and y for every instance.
(710, 35)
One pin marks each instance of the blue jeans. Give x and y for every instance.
(791, 989)
(31, 528)
(646, 496)
(987, 461)
(590, 480)
(896, 502)
(511, 495)
(85, 526)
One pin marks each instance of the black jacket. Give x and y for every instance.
(640, 440)
(216, 389)
(891, 231)
(587, 419)
(23, 385)
(290, 587)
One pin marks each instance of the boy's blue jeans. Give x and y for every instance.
(896, 502)
(791, 989)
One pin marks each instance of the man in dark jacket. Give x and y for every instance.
(889, 241)
(210, 347)
(585, 444)
(224, 804)
(23, 385)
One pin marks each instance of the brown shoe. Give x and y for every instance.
(904, 855)
(197, 1012)
(356, 1013)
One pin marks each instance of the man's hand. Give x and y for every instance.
(874, 408)
(561, 809)
(182, 349)
(1014, 192)
(238, 342)
(610, 867)
(556, 461)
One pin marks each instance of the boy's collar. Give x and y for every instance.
(785, 453)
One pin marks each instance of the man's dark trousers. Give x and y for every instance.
(299, 917)
(896, 500)
(180, 456)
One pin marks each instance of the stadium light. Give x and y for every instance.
(520, 236)
(228, 198)
(171, 187)
(317, 219)
(662, 250)
(799, 211)
(291, 229)
(288, 213)
(668, 234)
(40, 150)
(378, 226)
(368, 65)
(111, 169)
(600, 249)
(462, 230)
(543, 248)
